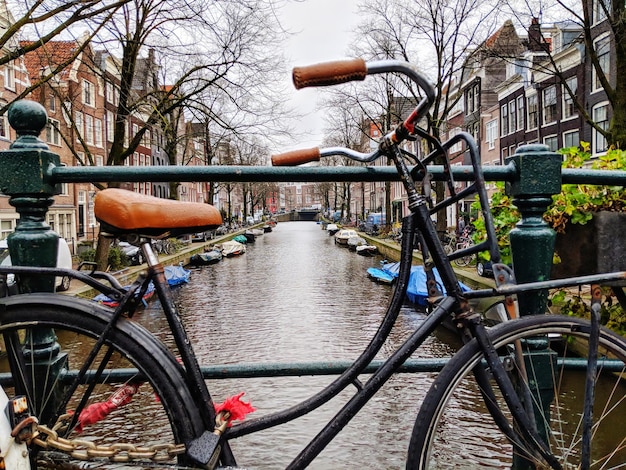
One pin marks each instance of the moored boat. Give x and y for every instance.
(417, 292)
(366, 250)
(332, 229)
(208, 257)
(380, 275)
(176, 275)
(232, 248)
(354, 242)
(106, 300)
(342, 236)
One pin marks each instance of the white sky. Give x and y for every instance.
(322, 33)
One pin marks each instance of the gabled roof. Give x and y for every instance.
(504, 39)
(48, 56)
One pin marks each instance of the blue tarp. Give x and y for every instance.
(176, 275)
(416, 291)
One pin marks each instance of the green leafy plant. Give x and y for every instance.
(576, 203)
(505, 216)
(117, 258)
(611, 313)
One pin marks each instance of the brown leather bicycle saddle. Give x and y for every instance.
(120, 212)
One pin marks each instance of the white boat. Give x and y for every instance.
(332, 229)
(342, 236)
(233, 248)
(366, 250)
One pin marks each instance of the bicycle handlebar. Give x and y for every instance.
(296, 157)
(336, 72)
(329, 73)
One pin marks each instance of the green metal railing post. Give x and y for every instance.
(22, 177)
(532, 240)
(532, 247)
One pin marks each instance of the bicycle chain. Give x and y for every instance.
(82, 449)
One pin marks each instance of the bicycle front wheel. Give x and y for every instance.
(136, 406)
(454, 428)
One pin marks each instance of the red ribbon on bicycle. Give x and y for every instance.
(233, 406)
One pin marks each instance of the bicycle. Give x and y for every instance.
(109, 348)
(464, 242)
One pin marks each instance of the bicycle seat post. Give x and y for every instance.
(148, 252)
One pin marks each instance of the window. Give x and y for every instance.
(457, 107)
(9, 77)
(599, 10)
(110, 93)
(458, 146)
(89, 129)
(4, 127)
(533, 108)
(505, 154)
(571, 139)
(512, 116)
(52, 132)
(504, 120)
(603, 48)
(569, 110)
(98, 131)
(99, 160)
(491, 133)
(6, 228)
(549, 105)
(469, 98)
(474, 130)
(601, 118)
(552, 142)
(89, 96)
(520, 113)
(78, 122)
(52, 103)
(110, 125)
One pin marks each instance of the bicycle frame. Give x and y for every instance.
(455, 303)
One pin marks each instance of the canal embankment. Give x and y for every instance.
(182, 257)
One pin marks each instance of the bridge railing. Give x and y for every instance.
(30, 175)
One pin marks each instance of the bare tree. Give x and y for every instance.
(48, 20)
(437, 37)
(251, 153)
(344, 128)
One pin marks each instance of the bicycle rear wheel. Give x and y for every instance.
(454, 429)
(58, 334)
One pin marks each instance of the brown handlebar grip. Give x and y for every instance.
(329, 73)
(296, 157)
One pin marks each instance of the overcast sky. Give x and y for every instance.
(322, 33)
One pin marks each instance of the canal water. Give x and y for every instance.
(295, 296)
